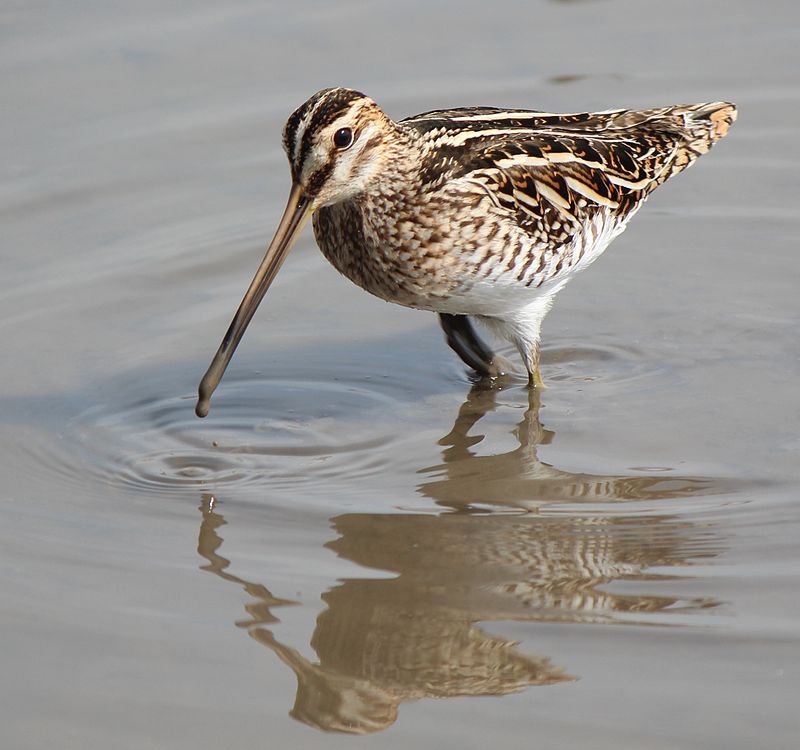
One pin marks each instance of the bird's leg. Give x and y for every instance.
(530, 355)
(464, 341)
(535, 379)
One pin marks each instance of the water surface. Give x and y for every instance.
(612, 563)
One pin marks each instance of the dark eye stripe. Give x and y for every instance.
(329, 109)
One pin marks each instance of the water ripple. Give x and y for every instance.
(286, 432)
(598, 362)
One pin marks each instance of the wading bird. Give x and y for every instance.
(478, 212)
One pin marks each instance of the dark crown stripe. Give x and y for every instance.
(298, 116)
(330, 106)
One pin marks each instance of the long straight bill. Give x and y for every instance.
(293, 219)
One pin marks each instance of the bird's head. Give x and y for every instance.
(336, 144)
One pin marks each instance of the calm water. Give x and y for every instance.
(356, 531)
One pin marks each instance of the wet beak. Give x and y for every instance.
(298, 209)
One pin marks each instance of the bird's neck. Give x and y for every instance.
(397, 182)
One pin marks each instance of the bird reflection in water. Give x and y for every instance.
(381, 642)
(518, 479)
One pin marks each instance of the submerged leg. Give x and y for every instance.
(464, 341)
(532, 364)
(523, 328)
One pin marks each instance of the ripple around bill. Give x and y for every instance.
(280, 431)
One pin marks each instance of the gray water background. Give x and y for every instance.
(615, 566)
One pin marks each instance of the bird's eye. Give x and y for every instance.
(343, 138)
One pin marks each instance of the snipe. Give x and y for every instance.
(480, 212)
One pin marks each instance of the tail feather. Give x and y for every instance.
(707, 123)
(697, 127)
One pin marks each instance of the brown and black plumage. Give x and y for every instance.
(476, 212)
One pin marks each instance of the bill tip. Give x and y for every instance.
(203, 405)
